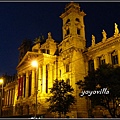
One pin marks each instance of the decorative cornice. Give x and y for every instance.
(103, 45)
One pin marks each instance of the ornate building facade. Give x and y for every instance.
(69, 60)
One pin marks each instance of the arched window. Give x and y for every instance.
(77, 20)
(68, 21)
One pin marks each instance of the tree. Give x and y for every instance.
(105, 77)
(61, 98)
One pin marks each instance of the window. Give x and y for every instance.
(77, 20)
(35, 50)
(43, 50)
(60, 73)
(114, 58)
(90, 65)
(68, 81)
(68, 21)
(67, 68)
(101, 60)
(78, 31)
(60, 49)
(68, 31)
(48, 51)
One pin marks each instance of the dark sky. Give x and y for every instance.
(22, 20)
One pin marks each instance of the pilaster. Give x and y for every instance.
(107, 58)
(44, 79)
(119, 57)
(10, 97)
(50, 81)
(95, 63)
(39, 80)
(33, 82)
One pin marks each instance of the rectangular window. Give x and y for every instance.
(115, 59)
(101, 61)
(68, 81)
(68, 31)
(78, 31)
(43, 51)
(90, 65)
(35, 50)
(48, 51)
(60, 73)
(67, 67)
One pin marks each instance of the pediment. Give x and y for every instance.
(27, 58)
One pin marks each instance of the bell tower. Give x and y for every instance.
(71, 51)
(73, 24)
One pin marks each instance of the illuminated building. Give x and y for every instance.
(69, 60)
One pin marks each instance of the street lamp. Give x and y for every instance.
(1, 82)
(35, 64)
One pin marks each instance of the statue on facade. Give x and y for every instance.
(49, 35)
(116, 30)
(104, 35)
(93, 40)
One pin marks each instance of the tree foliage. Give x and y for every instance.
(106, 76)
(61, 98)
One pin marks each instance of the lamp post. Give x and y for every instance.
(35, 64)
(1, 82)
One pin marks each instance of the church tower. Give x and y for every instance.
(71, 54)
(73, 24)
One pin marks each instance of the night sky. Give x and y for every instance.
(22, 20)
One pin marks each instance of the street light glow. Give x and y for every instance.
(34, 63)
(1, 81)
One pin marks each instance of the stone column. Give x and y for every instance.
(33, 82)
(39, 80)
(27, 84)
(8, 97)
(10, 101)
(44, 79)
(23, 86)
(12, 96)
(50, 80)
(119, 57)
(95, 63)
(5, 99)
(107, 58)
